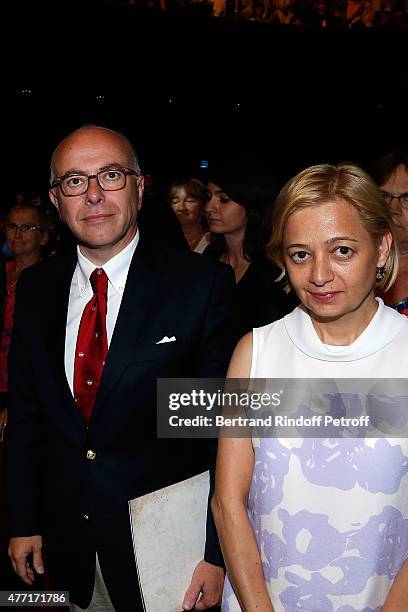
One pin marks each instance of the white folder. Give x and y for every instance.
(168, 529)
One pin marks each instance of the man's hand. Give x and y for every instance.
(19, 551)
(209, 581)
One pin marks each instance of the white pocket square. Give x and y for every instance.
(166, 339)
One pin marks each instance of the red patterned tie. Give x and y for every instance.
(91, 347)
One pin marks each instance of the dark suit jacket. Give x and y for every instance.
(52, 486)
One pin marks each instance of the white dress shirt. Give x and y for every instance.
(81, 292)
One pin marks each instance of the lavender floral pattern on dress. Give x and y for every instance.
(350, 609)
(271, 467)
(387, 413)
(383, 540)
(347, 462)
(343, 464)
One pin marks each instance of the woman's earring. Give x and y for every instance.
(380, 273)
(281, 276)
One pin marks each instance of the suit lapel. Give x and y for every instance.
(140, 298)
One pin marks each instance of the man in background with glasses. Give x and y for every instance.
(26, 235)
(107, 320)
(391, 175)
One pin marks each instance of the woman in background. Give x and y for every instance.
(391, 175)
(321, 524)
(239, 212)
(188, 198)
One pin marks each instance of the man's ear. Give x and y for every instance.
(140, 191)
(53, 198)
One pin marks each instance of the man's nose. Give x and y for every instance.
(94, 194)
(395, 205)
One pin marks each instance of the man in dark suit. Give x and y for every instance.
(72, 472)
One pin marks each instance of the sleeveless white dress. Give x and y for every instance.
(330, 515)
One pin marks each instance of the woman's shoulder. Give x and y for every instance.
(271, 329)
(394, 325)
(246, 343)
(240, 365)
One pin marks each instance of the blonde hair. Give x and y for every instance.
(344, 182)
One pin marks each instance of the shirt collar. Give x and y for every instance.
(116, 268)
(385, 325)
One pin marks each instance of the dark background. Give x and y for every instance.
(186, 88)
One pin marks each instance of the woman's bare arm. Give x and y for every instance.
(235, 462)
(397, 600)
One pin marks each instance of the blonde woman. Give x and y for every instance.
(315, 524)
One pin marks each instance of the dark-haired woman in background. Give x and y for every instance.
(188, 198)
(242, 193)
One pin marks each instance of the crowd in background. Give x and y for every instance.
(332, 14)
(161, 196)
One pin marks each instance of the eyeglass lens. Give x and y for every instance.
(108, 180)
(13, 227)
(402, 199)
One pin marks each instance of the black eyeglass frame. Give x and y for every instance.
(388, 197)
(25, 227)
(126, 171)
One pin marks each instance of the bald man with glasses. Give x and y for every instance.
(83, 368)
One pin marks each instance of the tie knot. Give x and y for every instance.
(99, 281)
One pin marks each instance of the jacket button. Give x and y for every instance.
(91, 455)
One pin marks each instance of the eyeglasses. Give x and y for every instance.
(111, 179)
(402, 199)
(25, 228)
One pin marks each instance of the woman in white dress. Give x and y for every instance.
(319, 524)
